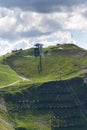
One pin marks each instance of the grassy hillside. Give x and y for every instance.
(7, 76)
(6, 122)
(43, 99)
(49, 106)
(62, 61)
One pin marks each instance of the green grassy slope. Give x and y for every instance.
(6, 122)
(46, 106)
(61, 62)
(7, 76)
(66, 61)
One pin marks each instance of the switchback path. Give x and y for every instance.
(10, 84)
(24, 78)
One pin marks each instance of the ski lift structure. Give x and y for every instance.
(38, 53)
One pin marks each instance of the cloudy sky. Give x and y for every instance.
(26, 22)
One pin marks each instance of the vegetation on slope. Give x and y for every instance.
(7, 76)
(42, 107)
(59, 62)
(6, 122)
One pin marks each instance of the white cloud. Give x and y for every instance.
(6, 12)
(76, 22)
(32, 20)
(5, 47)
(20, 29)
(7, 19)
(22, 44)
(24, 21)
(54, 38)
(7, 23)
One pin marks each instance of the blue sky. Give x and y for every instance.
(23, 23)
(80, 38)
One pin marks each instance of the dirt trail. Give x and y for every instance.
(10, 84)
(24, 78)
